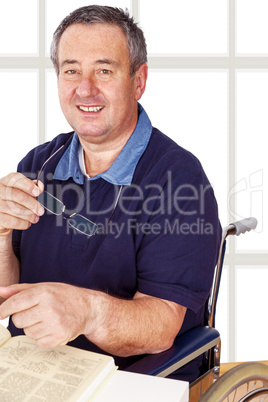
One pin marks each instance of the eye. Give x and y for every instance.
(105, 72)
(70, 72)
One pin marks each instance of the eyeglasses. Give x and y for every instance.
(56, 207)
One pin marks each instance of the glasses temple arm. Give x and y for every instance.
(116, 202)
(44, 164)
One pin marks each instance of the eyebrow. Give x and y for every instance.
(99, 61)
(107, 61)
(67, 61)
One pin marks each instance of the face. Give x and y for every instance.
(97, 94)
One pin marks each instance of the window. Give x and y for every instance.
(207, 89)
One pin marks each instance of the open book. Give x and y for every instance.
(31, 373)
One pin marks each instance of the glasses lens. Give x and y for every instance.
(51, 203)
(83, 225)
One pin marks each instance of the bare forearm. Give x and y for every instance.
(9, 264)
(56, 313)
(142, 325)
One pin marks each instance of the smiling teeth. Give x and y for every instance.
(90, 109)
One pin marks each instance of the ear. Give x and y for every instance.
(140, 80)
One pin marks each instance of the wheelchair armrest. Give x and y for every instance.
(186, 347)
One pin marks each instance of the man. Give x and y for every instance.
(127, 263)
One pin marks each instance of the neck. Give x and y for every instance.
(100, 153)
(99, 158)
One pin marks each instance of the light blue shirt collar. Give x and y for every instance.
(122, 170)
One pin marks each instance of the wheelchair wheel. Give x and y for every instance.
(245, 382)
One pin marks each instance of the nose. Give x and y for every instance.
(87, 88)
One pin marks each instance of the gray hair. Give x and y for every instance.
(104, 14)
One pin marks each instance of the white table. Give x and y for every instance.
(131, 387)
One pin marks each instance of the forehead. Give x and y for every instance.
(98, 39)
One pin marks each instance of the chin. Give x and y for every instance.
(90, 135)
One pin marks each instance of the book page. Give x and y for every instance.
(31, 373)
(4, 335)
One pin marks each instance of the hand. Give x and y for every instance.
(18, 205)
(51, 313)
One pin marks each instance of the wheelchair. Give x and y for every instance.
(242, 383)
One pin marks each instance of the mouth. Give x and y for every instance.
(92, 109)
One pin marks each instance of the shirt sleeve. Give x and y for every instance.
(179, 249)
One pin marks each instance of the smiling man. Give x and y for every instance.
(102, 251)
(97, 94)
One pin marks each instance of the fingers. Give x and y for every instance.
(35, 328)
(40, 185)
(21, 182)
(19, 298)
(50, 313)
(8, 291)
(46, 340)
(18, 205)
(43, 332)
(28, 319)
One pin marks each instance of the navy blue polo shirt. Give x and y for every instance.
(162, 239)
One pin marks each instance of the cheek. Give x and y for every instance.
(123, 95)
(65, 97)
(61, 93)
(65, 92)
